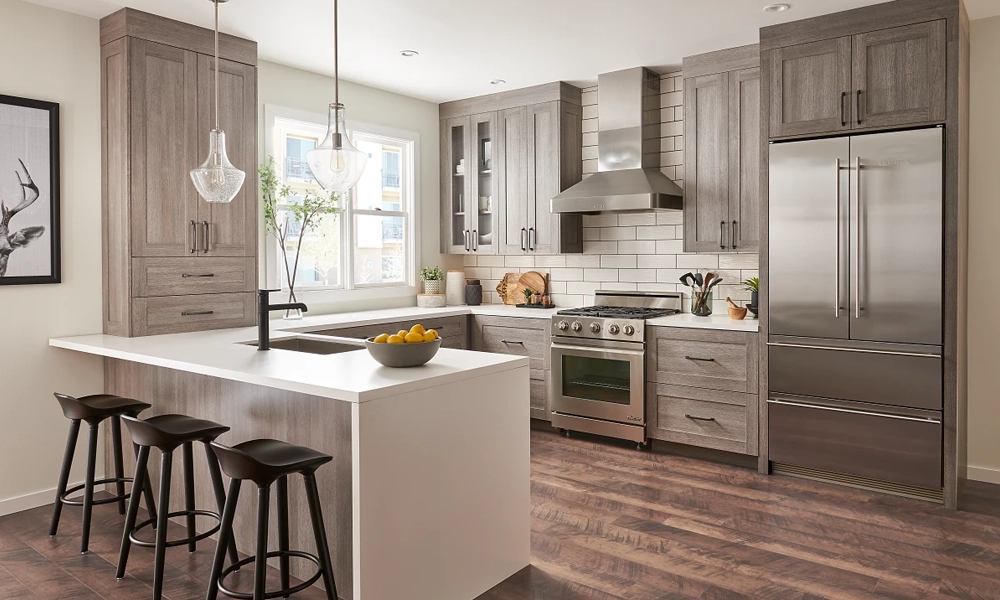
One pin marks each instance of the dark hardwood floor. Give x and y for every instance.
(609, 522)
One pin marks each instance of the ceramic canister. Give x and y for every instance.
(473, 292)
(455, 287)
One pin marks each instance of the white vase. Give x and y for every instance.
(455, 288)
(432, 286)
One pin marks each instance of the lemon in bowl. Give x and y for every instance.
(404, 348)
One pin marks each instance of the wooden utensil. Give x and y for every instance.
(533, 280)
(730, 302)
(736, 313)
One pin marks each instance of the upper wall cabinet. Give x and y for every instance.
(173, 262)
(503, 158)
(886, 78)
(722, 151)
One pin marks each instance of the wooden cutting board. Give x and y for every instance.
(507, 288)
(512, 286)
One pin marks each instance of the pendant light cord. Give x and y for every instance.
(216, 2)
(336, 58)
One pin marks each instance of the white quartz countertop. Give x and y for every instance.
(710, 322)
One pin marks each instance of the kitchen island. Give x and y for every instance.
(428, 493)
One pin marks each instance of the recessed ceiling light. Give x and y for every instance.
(777, 7)
(408, 53)
(499, 81)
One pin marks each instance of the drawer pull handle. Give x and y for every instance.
(694, 418)
(189, 275)
(508, 342)
(192, 313)
(695, 358)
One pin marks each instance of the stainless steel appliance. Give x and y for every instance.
(855, 306)
(628, 174)
(599, 362)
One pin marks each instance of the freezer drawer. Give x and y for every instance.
(880, 374)
(842, 438)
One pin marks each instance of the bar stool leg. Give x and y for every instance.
(88, 490)
(282, 502)
(220, 495)
(147, 489)
(319, 530)
(189, 492)
(116, 436)
(74, 433)
(166, 464)
(225, 536)
(260, 564)
(133, 510)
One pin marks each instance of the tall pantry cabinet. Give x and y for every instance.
(173, 262)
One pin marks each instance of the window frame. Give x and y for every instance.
(348, 290)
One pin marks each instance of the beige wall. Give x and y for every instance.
(984, 285)
(51, 55)
(304, 91)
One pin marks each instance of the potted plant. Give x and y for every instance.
(751, 285)
(528, 293)
(307, 214)
(432, 277)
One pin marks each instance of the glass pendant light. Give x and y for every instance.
(217, 180)
(336, 164)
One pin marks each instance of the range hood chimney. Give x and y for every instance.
(628, 146)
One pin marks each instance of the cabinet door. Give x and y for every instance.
(744, 160)
(512, 177)
(899, 75)
(543, 177)
(481, 203)
(232, 227)
(706, 139)
(810, 87)
(164, 148)
(456, 138)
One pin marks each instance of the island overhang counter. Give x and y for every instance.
(428, 493)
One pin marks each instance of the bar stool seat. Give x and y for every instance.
(166, 433)
(265, 462)
(99, 406)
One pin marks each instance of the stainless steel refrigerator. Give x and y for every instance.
(855, 308)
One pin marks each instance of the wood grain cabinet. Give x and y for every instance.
(885, 78)
(701, 388)
(161, 241)
(722, 151)
(503, 159)
(522, 337)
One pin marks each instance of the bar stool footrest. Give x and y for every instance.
(76, 488)
(171, 543)
(277, 593)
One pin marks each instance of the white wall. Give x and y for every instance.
(288, 87)
(55, 56)
(984, 286)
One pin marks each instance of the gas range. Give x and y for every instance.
(616, 316)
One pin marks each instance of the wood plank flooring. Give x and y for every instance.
(612, 523)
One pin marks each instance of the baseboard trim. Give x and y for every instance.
(984, 474)
(29, 501)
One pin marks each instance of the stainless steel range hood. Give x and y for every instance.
(628, 145)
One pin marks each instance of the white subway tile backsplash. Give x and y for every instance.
(620, 286)
(601, 220)
(591, 233)
(637, 275)
(636, 247)
(600, 274)
(567, 274)
(485, 260)
(655, 232)
(499, 272)
(618, 233)
(555, 260)
(519, 261)
(698, 261)
(557, 287)
(602, 247)
(670, 217)
(672, 129)
(567, 300)
(738, 261)
(477, 272)
(669, 246)
(670, 275)
(638, 218)
(656, 261)
(618, 261)
(583, 260)
(469, 260)
(582, 287)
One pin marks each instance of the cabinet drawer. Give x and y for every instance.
(539, 394)
(719, 363)
(849, 438)
(153, 277)
(177, 314)
(532, 343)
(705, 418)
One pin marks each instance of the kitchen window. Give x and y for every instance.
(368, 248)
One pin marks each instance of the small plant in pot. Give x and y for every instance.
(528, 293)
(432, 277)
(752, 285)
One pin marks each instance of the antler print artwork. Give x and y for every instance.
(10, 242)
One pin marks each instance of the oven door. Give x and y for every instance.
(599, 379)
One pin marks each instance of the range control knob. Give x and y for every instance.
(595, 328)
(563, 325)
(613, 329)
(577, 326)
(628, 330)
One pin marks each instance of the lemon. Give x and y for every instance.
(413, 338)
(381, 339)
(395, 339)
(430, 336)
(418, 328)
(402, 333)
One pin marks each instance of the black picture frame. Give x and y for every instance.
(52, 228)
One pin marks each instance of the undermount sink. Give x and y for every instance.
(313, 345)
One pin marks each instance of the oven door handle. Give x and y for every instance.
(598, 349)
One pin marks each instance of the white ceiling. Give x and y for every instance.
(464, 44)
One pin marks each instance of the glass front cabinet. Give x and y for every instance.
(468, 184)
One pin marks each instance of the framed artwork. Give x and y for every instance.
(29, 191)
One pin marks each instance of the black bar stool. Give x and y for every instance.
(167, 433)
(265, 462)
(95, 409)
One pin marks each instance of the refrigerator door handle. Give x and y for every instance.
(836, 293)
(859, 350)
(857, 249)
(866, 413)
